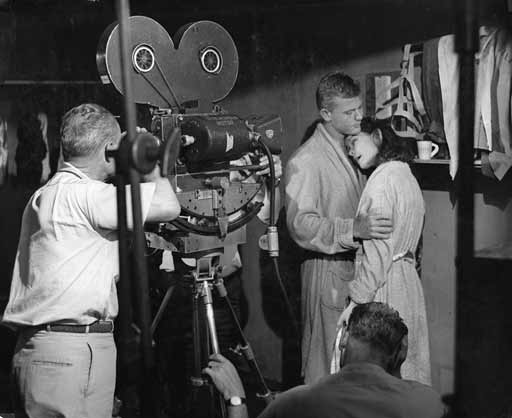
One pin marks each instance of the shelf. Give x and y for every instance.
(499, 252)
(435, 175)
(429, 162)
(434, 161)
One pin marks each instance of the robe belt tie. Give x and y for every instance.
(405, 256)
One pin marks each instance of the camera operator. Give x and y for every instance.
(373, 347)
(63, 298)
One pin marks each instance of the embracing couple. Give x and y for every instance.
(353, 203)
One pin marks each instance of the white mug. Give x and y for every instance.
(427, 149)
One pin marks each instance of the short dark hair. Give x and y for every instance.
(393, 147)
(335, 84)
(86, 128)
(378, 325)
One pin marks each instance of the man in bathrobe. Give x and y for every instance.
(323, 188)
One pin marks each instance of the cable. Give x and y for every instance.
(272, 226)
(167, 84)
(287, 302)
(272, 182)
(154, 88)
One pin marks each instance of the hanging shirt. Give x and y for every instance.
(4, 154)
(493, 110)
(46, 161)
(449, 80)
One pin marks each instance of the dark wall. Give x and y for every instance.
(58, 39)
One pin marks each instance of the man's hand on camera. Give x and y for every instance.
(370, 225)
(138, 130)
(224, 376)
(154, 175)
(278, 167)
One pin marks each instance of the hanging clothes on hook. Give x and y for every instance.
(43, 119)
(408, 111)
(4, 154)
(493, 110)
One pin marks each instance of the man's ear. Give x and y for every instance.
(377, 137)
(399, 357)
(325, 114)
(109, 151)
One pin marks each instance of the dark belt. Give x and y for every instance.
(95, 327)
(343, 256)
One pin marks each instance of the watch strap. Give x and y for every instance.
(235, 401)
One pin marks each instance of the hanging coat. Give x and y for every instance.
(4, 154)
(322, 193)
(493, 110)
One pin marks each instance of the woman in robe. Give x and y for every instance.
(385, 270)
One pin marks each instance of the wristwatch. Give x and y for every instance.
(235, 401)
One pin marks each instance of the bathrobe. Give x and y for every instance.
(322, 193)
(385, 270)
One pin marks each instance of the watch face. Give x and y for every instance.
(235, 401)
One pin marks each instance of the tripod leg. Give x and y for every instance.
(197, 380)
(161, 309)
(208, 302)
(210, 318)
(245, 347)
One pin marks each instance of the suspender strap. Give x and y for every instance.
(409, 101)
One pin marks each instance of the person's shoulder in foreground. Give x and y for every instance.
(358, 391)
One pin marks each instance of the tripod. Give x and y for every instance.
(202, 279)
(204, 338)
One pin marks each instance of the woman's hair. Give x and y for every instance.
(392, 147)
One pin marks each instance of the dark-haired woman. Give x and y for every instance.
(385, 269)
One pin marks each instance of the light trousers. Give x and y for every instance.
(65, 375)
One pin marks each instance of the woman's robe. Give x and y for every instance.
(385, 270)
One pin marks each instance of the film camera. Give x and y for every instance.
(209, 154)
(211, 157)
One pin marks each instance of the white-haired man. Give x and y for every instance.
(63, 298)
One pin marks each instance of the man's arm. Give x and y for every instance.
(228, 383)
(328, 235)
(164, 204)
(158, 201)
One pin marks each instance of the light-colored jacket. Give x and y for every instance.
(322, 193)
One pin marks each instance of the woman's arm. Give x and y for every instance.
(374, 265)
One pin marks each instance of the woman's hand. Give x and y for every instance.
(345, 315)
